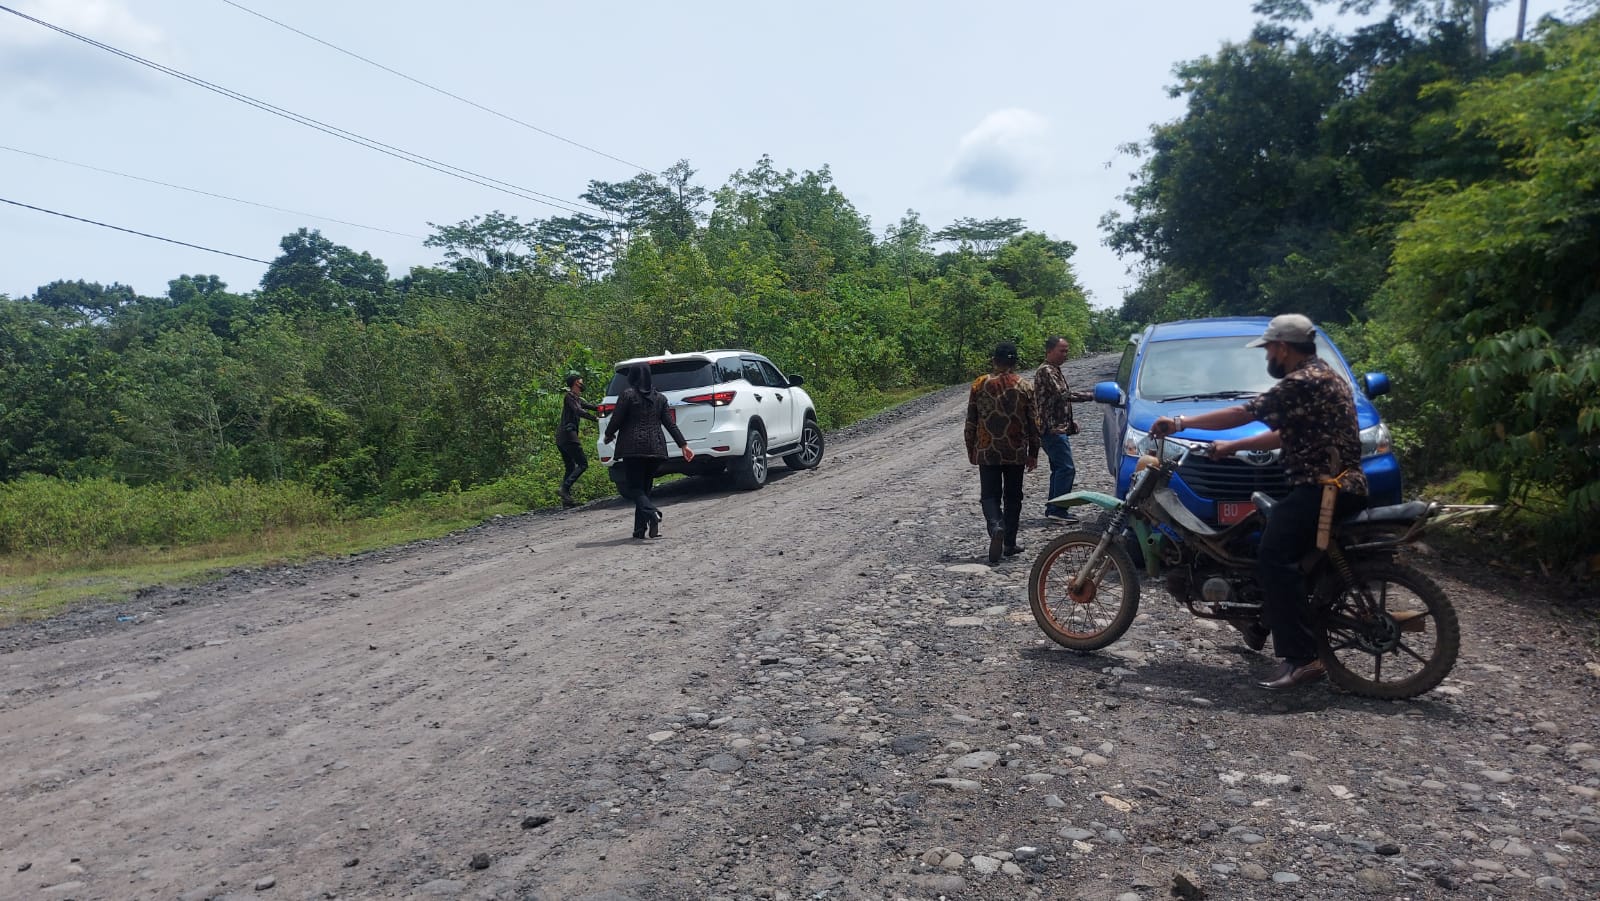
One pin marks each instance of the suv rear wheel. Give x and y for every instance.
(810, 452)
(750, 471)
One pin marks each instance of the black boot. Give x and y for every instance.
(996, 528)
(1013, 521)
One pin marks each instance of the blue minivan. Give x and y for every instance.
(1195, 365)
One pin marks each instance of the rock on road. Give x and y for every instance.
(810, 691)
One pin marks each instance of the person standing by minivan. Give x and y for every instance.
(635, 426)
(574, 409)
(1002, 436)
(1056, 425)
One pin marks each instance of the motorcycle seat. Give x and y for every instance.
(1406, 512)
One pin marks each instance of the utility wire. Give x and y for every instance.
(417, 81)
(354, 138)
(133, 232)
(164, 184)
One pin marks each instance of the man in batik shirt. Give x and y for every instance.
(1055, 399)
(1002, 435)
(1312, 415)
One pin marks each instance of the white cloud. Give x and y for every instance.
(1004, 152)
(40, 65)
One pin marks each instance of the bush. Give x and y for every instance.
(42, 515)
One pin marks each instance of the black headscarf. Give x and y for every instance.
(639, 378)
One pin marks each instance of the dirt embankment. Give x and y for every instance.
(808, 691)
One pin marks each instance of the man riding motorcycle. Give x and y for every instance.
(1312, 416)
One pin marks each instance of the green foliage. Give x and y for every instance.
(1496, 280)
(337, 382)
(47, 516)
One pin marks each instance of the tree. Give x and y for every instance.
(494, 241)
(1425, 14)
(90, 300)
(314, 273)
(1495, 281)
(982, 236)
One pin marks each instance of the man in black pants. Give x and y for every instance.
(1312, 416)
(1002, 437)
(573, 409)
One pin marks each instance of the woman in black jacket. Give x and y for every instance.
(636, 426)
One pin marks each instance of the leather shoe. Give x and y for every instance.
(1014, 549)
(1291, 676)
(997, 540)
(655, 524)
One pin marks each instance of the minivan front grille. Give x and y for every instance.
(1228, 480)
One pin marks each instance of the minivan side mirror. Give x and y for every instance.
(1109, 393)
(1375, 384)
(795, 381)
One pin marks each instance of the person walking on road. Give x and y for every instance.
(574, 409)
(1002, 436)
(1056, 425)
(636, 426)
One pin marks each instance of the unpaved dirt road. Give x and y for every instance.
(768, 702)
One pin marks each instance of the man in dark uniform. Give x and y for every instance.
(573, 409)
(1312, 416)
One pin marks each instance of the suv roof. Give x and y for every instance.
(688, 355)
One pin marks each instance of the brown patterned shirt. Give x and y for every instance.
(1313, 409)
(1054, 399)
(1002, 426)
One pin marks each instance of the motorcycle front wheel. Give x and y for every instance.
(1095, 615)
(1402, 651)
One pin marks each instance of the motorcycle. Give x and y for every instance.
(1383, 628)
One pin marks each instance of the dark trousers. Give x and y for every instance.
(1000, 491)
(1062, 470)
(1290, 534)
(573, 457)
(638, 479)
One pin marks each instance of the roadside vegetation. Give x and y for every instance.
(1435, 201)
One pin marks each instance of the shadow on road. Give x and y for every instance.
(1179, 682)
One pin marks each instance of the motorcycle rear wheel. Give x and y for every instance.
(1406, 651)
(1095, 616)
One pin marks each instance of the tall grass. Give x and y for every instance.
(42, 516)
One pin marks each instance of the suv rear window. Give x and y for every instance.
(671, 375)
(1201, 366)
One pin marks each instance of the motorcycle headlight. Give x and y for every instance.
(1375, 441)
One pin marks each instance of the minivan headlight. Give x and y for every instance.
(1136, 444)
(1375, 440)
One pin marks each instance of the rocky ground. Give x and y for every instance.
(812, 691)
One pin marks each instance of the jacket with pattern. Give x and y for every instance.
(1002, 426)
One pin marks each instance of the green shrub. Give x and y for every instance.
(43, 515)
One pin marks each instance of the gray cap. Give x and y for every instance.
(1291, 327)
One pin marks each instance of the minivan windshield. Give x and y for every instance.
(670, 375)
(1211, 369)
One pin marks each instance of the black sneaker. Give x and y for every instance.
(1061, 516)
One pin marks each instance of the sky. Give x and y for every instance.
(951, 109)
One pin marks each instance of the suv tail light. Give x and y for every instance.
(606, 409)
(717, 399)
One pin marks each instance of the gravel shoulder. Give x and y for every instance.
(811, 691)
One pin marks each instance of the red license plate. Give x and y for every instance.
(1230, 512)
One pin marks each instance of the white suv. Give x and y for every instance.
(735, 410)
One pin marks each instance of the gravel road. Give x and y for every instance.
(810, 691)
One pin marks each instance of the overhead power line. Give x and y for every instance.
(130, 231)
(435, 88)
(164, 184)
(343, 134)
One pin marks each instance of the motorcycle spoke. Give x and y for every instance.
(1402, 646)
